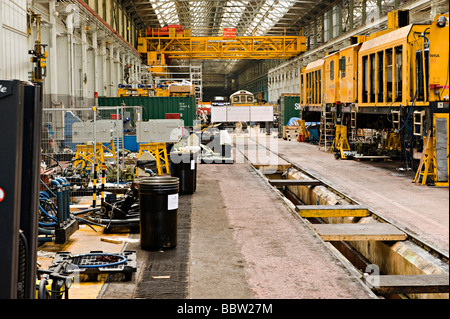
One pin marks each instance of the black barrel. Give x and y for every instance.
(184, 166)
(158, 209)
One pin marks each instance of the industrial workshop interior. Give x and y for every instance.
(223, 158)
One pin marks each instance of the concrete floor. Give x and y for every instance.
(242, 242)
(419, 209)
(245, 244)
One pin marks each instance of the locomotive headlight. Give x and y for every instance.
(441, 21)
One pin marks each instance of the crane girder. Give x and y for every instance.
(257, 47)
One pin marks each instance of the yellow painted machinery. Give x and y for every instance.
(141, 90)
(396, 80)
(312, 85)
(157, 63)
(434, 164)
(159, 151)
(39, 55)
(86, 155)
(257, 47)
(340, 146)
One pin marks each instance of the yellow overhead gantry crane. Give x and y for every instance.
(180, 45)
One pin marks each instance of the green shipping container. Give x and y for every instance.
(155, 108)
(289, 107)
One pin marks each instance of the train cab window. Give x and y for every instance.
(388, 75)
(320, 86)
(314, 95)
(398, 72)
(421, 72)
(380, 77)
(250, 99)
(342, 67)
(365, 78)
(332, 70)
(235, 99)
(243, 99)
(302, 92)
(316, 87)
(372, 77)
(308, 88)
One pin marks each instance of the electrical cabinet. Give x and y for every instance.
(159, 131)
(106, 130)
(21, 107)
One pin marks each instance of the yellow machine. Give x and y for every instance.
(434, 164)
(162, 91)
(348, 70)
(173, 42)
(183, 46)
(142, 90)
(312, 84)
(159, 151)
(157, 63)
(390, 80)
(40, 56)
(438, 85)
(86, 155)
(340, 146)
(385, 66)
(331, 78)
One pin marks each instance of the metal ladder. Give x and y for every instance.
(327, 129)
(196, 79)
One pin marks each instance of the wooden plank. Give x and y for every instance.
(408, 284)
(294, 182)
(308, 211)
(355, 232)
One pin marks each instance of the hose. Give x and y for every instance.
(43, 231)
(53, 194)
(47, 224)
(106, 221)
(409, 112)
(88, 221)
(47, 214)
(123, 260)
(54, 160)
(89, 210)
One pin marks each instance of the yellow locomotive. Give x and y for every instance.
(396, 80)
(242, 98)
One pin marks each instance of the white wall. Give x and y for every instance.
(14, 40)
(283, 79)
(76, 67)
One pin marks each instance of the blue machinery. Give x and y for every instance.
(28, 216)
(56, 222)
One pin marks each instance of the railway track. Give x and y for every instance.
(379, 250)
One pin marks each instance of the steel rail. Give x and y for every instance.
(430, 248)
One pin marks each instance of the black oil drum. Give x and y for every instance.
(184, 166)
(158, 209)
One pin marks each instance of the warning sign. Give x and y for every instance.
(229, 32)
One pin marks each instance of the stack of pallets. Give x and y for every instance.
(291, 133)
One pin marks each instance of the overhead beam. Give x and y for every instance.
(224, 48)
